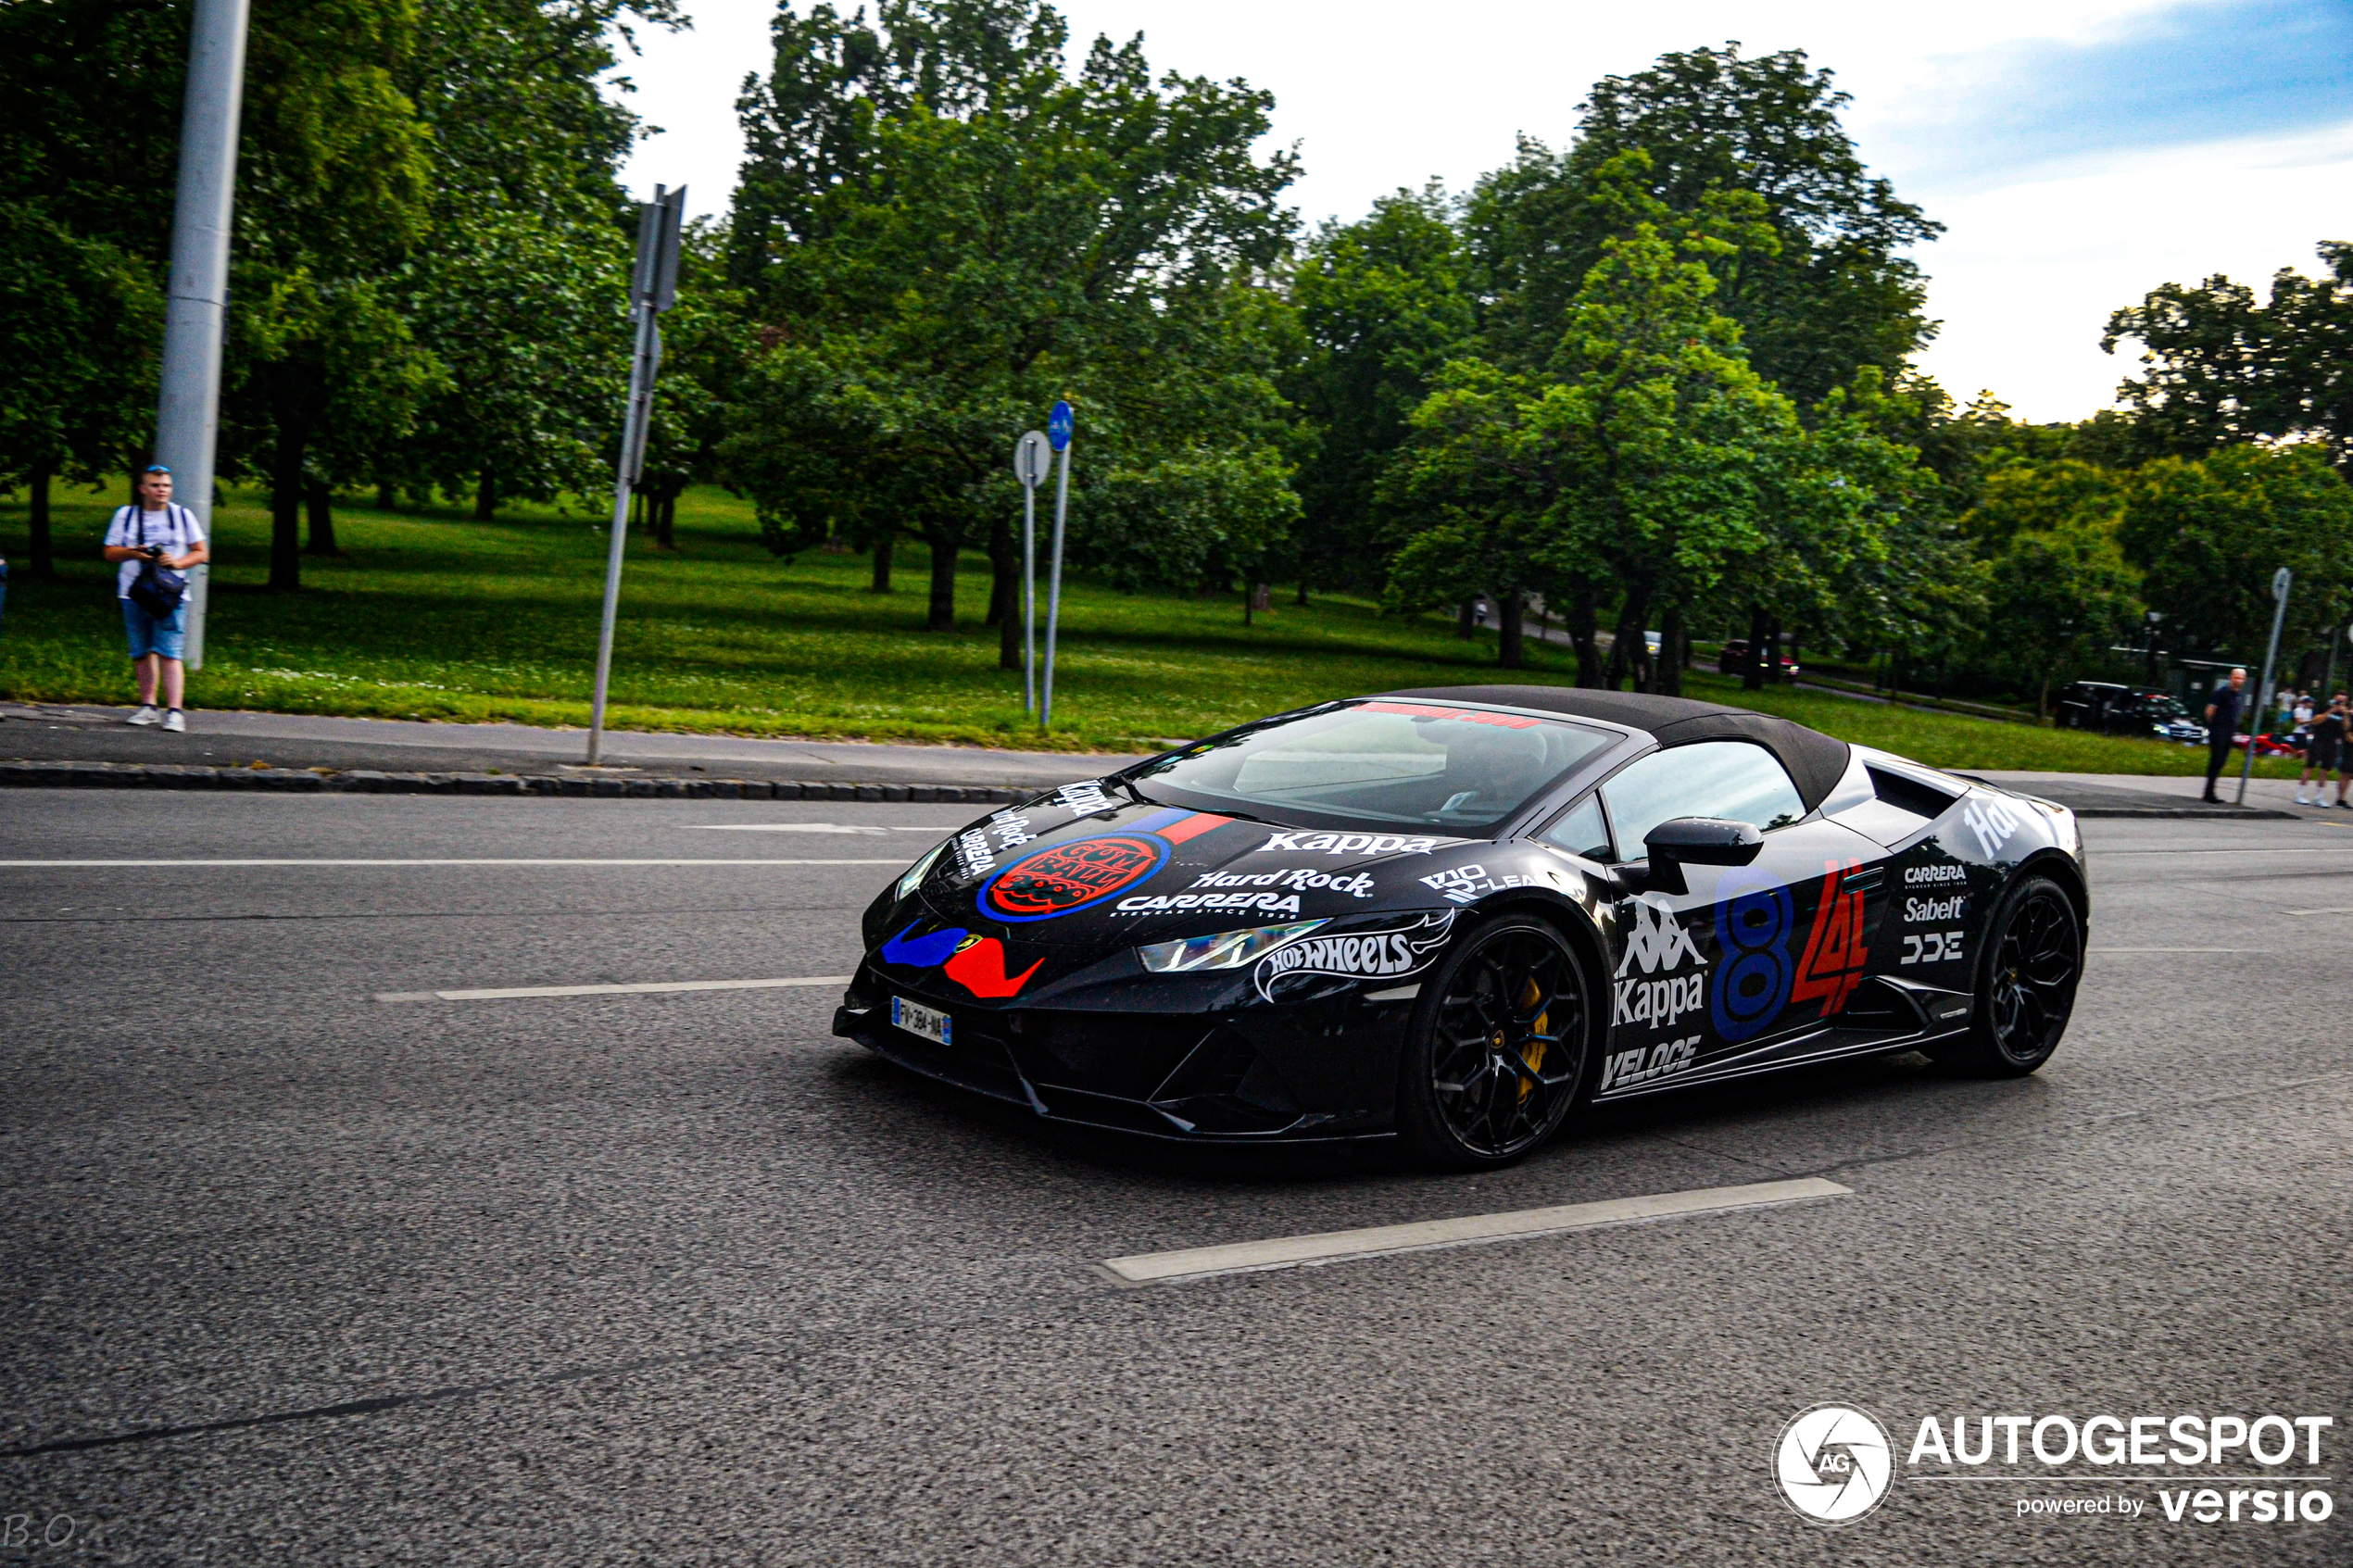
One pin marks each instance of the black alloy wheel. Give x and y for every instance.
(2027, 976)
(1498, 1048)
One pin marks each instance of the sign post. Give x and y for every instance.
(187, 411)
(653, 288)
(1057, 430)
(1030, 462)
(2282, 580)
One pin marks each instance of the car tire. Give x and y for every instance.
(1499, 1047)
(2027, 968)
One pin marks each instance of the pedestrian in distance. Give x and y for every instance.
(2325, 753)
(2222, 729)
(152, 542)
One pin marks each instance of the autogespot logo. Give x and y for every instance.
(1834, 1463)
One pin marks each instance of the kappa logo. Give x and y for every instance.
(1372, 955)
(1658, 941)
(1659, 1002)
(1993, 822)
(1349, 844)
(1647, 1064)
(1083, 799)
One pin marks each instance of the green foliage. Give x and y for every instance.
(1832, 294)
(2222, 368)
(944, 232)
(2059, 589)
(2208, 533)
(1382, 305)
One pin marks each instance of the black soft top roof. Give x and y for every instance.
(1815, 761)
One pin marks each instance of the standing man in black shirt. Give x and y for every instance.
(2323, 753)
(2221, 728)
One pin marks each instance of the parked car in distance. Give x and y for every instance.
(2117, 710)
(1735, 660)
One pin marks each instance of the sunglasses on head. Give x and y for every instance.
(156, 468)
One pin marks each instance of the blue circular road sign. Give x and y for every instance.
(1058, 426)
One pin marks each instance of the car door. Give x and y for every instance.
(1748, 962)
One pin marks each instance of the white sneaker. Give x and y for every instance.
(2301, 801)
(175, 723)
(147, 715)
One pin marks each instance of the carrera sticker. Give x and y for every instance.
(1369, 955)
(1349, 844)
(1076, 874)
(1188, 903)
(1647, 1064)
(1993, 822)
(977, 963)
(974, 857)
(1924, 876)
(1915, 911)
(1834, 957)
(1360, 885)
(1753, 919)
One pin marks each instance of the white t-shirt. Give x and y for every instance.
(175, 528)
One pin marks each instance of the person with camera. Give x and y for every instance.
(154, 542)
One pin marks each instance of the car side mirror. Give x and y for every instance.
(1697, 841)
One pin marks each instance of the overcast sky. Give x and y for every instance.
(2080, 152)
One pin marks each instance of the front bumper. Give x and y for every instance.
(1323, 1069)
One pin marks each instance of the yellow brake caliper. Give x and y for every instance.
(1534, 1055)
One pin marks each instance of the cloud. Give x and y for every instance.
(2185, 76)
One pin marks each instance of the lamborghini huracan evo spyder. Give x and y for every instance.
(1450, 915)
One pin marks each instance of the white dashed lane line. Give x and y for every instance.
(1332, 1246)
(806, 827)
(648, 988)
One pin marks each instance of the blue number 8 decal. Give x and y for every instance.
(1754, 916)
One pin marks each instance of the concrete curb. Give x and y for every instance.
(364, 780)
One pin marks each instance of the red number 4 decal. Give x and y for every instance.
(1834, 957)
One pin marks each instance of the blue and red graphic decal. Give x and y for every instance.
(977, 963)
(1753, 915)
(1078, 873)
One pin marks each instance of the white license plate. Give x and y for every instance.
(917, 1018)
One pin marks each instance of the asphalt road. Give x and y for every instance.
(678, 1278)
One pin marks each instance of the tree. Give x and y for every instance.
(1647, 448)
(1835, 294)
(941, 233)
(1382, 305)
(2222, 369)
(2059, 588)
(2208, 533)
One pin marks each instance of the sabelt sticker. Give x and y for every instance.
(1367, 955)
(1076, 874)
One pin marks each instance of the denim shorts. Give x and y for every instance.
(150, 633)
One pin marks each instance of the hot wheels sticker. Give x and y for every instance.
(1381, 955)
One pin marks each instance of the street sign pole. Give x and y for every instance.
(187, 411)
(1057, 430)
(1031, 460)
(653, 288)
(2282, 580)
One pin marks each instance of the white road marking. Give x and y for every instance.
(2177, 949)
(492, 995)
(888, 860)
(803, 827)
(2340, 911)
(1295, 1251)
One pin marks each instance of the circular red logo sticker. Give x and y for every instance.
(1063, 878)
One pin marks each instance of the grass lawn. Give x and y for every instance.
(432, 616)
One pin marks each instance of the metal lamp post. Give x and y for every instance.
(1058, 433)
(1031, 460)
(653, 288)
(2282, 580)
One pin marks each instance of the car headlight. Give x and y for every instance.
(1224, 950)
(914, 874)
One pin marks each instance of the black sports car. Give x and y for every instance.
(1449, 915)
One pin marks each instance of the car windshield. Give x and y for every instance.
(1428, 764)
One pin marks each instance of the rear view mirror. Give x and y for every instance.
(1697, 841)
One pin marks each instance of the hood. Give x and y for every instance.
(1056, 874)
